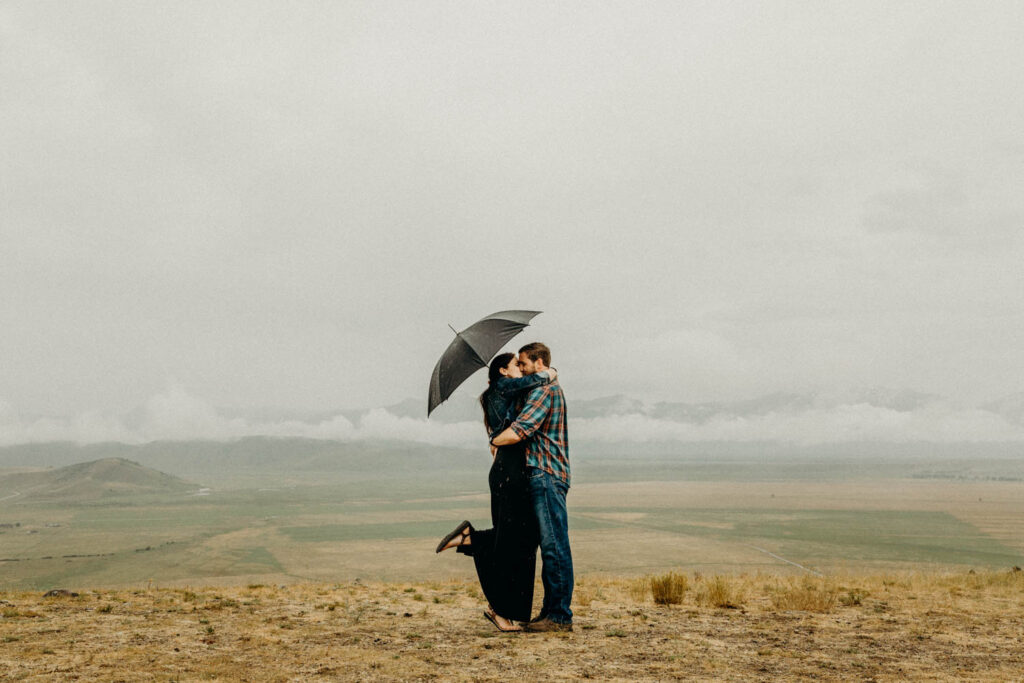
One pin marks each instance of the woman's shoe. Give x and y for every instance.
(493, 618)
(458, 531)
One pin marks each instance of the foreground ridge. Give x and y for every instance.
(883, 627)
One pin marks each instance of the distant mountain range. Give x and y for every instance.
(103, 469)
(396, 470)
(877, 414)
(462, 408)
(865, 415)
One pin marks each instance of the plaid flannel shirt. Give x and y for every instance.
(543, 418)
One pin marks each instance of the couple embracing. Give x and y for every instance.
(524, 412)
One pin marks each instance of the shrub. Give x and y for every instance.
(807, 596)
(718, 592)
(668, 589)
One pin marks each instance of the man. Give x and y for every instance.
(542, 425)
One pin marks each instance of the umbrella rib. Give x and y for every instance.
(477, 355)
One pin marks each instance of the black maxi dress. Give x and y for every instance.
(506, 554)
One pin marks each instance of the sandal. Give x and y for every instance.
(493, 618)
(458, 531)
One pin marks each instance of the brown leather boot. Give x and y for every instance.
(545, 625)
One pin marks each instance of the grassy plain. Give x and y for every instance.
(340, 532)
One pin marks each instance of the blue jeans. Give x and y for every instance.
(547, 493)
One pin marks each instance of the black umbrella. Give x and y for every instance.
(473, 349)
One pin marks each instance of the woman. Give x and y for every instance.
(505, 556)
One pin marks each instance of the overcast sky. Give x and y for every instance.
(282, 206)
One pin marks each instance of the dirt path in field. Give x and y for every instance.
(782, 559)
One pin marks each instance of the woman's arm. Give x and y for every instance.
(513, 385)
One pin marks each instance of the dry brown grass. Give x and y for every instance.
(668, 589)
(882, 627)
(720, 591)
(805, 594)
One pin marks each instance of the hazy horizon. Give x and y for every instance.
(877, 415)
(214, 212)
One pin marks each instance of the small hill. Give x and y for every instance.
(91, 480)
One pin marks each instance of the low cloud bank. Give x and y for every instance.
(175, 415)
(841, 424)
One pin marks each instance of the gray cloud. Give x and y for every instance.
(979, 208)
(284, 206)
(886, 417)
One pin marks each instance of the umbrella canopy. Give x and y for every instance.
(473, 349)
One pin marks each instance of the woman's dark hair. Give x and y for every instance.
(493, 373)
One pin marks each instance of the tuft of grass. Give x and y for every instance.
(668, 589)
(806, 595)
(852, 598)
(639, 589)
(586, 596)
(105, 609)
(718, 591)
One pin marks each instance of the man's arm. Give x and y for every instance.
(506, 438)
(538, 404)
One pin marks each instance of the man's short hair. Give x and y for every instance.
(536, 351)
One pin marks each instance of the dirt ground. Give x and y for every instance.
(756, 627)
